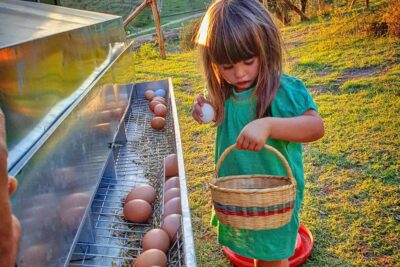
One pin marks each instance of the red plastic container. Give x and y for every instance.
(304, 245)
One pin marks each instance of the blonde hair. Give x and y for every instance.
(236, 30)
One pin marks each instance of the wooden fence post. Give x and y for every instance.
(157, 22)
(136, 12)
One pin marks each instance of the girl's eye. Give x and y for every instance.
(227, 67)
(249, 61)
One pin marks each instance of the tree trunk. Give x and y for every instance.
(157, 22)
(321, 6)
(295, 9)
(352, 4)
(303, 6)
(136, 12)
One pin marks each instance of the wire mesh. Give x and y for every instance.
(139, 161)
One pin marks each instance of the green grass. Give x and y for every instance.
(170, 10)
(352, 175)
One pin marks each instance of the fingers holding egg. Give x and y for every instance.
(208, 113)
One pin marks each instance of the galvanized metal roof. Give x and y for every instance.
(23, 21)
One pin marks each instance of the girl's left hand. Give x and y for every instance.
(254, 135)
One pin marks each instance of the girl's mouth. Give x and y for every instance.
(242, 83)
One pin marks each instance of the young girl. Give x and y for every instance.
(254, 104)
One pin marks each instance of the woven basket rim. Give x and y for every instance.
(267, 147)
(213, 185)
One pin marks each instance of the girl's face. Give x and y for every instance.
(242, 74)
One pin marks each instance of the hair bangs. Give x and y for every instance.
(233, 42)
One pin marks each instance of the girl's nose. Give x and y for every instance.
(239, 72)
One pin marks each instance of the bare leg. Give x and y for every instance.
(281, 263)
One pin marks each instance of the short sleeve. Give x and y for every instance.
(292, 98)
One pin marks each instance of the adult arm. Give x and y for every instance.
(9, 224)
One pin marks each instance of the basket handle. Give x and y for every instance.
(267, 147)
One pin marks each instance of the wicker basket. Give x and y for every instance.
(254, 202)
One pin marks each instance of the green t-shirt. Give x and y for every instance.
(292, 100)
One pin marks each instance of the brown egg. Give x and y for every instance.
(150, 258)
(40, 213)
(117, 113)
(35, 255)
(72, 217)
(171, 193)
(137, 210)
(66, 178)
(160, 99)
(156, 238)
(142, 191)
(160, 110)
(104, 116)
(149, 95)
(158, 123)
(103, 128)
(171, 182)
(45, 199)
(172, 206)
(171, 224)
(33, 226)
(75, 200)
(171, 165)
(153, 104)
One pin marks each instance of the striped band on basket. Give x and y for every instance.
(254, 211)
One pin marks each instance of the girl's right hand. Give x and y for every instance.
(197, 114)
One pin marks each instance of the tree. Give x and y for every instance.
(280, 8)
(354, 1)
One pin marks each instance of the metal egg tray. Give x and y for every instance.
(107, 238)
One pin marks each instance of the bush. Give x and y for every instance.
(392, 18)
(147, 51)
(187, 35)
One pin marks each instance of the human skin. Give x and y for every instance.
(9, 225)
(307, 127)
(242, 75)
